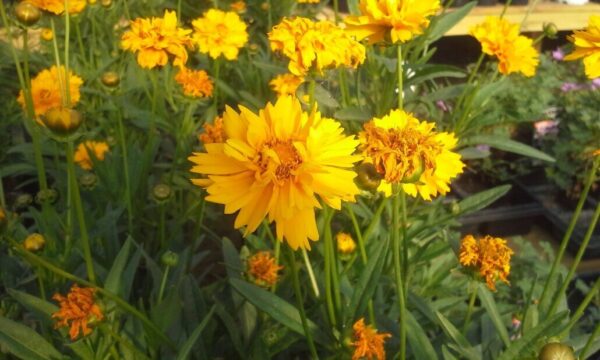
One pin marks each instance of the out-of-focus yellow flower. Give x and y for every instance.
(77, 310)
(587, 46)
(263, 269)
(238, 6)
(409, 152)
(309, 1)
(155, 39)
(195, 83)
(500, 38)
(220, 33)
(47, 90)
(47, 34)
(274, 164)
(2, 215)
(214, 133)
(391, 20)
(490, 256)
(368, 344)
(82, 155)
(34, 242)
(596, 152)
(58, 6)
(286, 84)
(345, 243)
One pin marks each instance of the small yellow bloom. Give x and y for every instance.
(57, 7)
(263, 269)
(47, 34)
(489, 256)
(34, 242)
(368, 344)
(195, 83)
(286, 84)
(77, 310)
(309, 1)
(82, 155)
(220, 33)
(214, 133)
(345, 243)
(596, 153)
(587, 46)
(239, 7)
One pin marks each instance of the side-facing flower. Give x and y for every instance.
(368, 344)
(286, 84)
(82, 153)
(57, 7)
(274, 164)
(263, 269)
(213, 133)
(489, 256)
(587, 46)
(409, 152)
(195, 83)
(220, 33)
(77, 310)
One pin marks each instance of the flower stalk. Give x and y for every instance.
(396, 254)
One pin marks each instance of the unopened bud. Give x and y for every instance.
(367, 177)
(62, 121)
(23, 201)
(161, 193)
(88, 180)
(550, 30)
(47, 34)
(556, 351)
(110, 79)
(47, 196)
(106, 3)
(27, 14)
(169, 259)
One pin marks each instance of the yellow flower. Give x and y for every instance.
(367, 342)
(315, 45)
(401, 19)
(77, 310)
(489, 256)
(34, 242)
(220, 33)
(345, 243)
(309, 1)
(596, 152)
(58, 6)
(195, 83)
(286, 84)
(82, 155)
(213, 133)
(274, 164)
(500, 38)
(409, 152)
(47, 34)
(155, 39)
(46, 90)
(587, 46)
(263, 269)
(238, 6)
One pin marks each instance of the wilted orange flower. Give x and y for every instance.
(286, 84)
(195, 83)
(77, 310)
(367, 342)
(391, 20)
(263, 269)
(238, 6)
(489, 256)
(220, 33)
(58, 6)
(155, 39)
(587, 46)
(214, 133)
(34, 242)
(47, 90)
(82, 155)
(345, 243)
(315, 45)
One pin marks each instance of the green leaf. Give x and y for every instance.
(482, 199)
(418, 340)
(25, 343)
(430, 72)
(233, 264)
(447, 21)
(464, 347)
(115, 279)
(324, 98)
(508, 145)
(184, 353)
(353, 113)
(42, 308)
(488, 302)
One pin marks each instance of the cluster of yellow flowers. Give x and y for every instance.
(489, 256)
(587, 46)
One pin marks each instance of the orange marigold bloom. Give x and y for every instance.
(286, 84)
(155, 39)
(77, 310)
(214, 133)
(239, 7)
(220, 33)
(263, 269)
(58, 6)
(367, 342)
(82, 155)
(587, 46)
(490, 256)
(195, 83)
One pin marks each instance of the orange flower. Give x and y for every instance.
(239, 7)
(195, 83)
(489, 256)
(82, 155)
(263, 269)
(77, 310)
(58, 6)
(367, 342)
(286, 84)
(213, 133)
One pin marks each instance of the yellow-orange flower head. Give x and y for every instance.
(489, 256)
(156, 39)
(315, 45)
(409, 152)
(214, 133)
(34, 242)
(195, 83)
(263, 269)
(82, 155)
(345, 243)
(57, 7)
(238, 6)
(286, 84)
(47, 90)
(587, 46)
(274, 164)
(368, 344)
(220, 33)
(77, 310)
(309, 1)
(396, 21)
(500, 38)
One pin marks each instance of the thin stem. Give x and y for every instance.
(398, 273)
(2, 197)
(404, 225)
(588, 344)
(38, 271)
(269, 15)
(161, 226)
(581, 308)
(311, 93)
(328, 271)
(344, 87)
(163, 284)
(80, 40)
(400, 74)
(216, 71)
(61, 84)
(128, 194)
(336, 10)
(471, 307)
(506, 5)
(276, 245)
(311, 273)
(375, 220)
(358, 234)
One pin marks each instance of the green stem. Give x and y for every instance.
(61, 84)
(471, 307)
(398, 273)
(312, 84)
(375, 220)
(336, 10)
(276, 245)
(216, 71)
(311, 273)
(163, 284)
(344, 87)
(128, 194)
(581, 308)
(41, 283)
(161, 226)
(358, 234)
(80, 41)
(404, 225)
(506, 5)
(400, 74)
(588, 344)
(328, 271)
(269, 15)
(2, 197)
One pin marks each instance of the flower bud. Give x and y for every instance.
(264, 6)
(23, 201)
(106, 3)
(556, 351)
(88, 180)
(161, 193)
(47, 34)
(550, 30)
(455, 207)
(169, 259)
(110, 79)
(27, 14)
(92, 2)
(34, 242)
(48, 196)
(367, 177)
(345, 243)
(62, 121)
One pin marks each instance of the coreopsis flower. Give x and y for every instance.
(263, 269)
(34, 242)
(220, 33)
(489, 256)
(47, 90)
(587, 46)
(409, 152)
(213, 133)
(345, 243)
(238, 6)
(57, 7)
(195, 83)
(368, 344)
(77, 310)
(274, 164)
(156, 39)
(396, 21)
(500, 38)
(314, 45)
(286, 84)
(82, 153)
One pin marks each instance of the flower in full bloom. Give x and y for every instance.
(47, 90)
(82, 155)
(314, 45)
(274, 164)
(286, 84)
(58, 6)
(238, 6)
(368, 344)
(587, 46)
(409, 152)
(156, 39)
(500, 38)
(213, 133)
(195, 83)
(34, 242)
(489, 256)
(77, 310)
(397, 21)
(220, 33)
(345, 243)
(263, 269)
